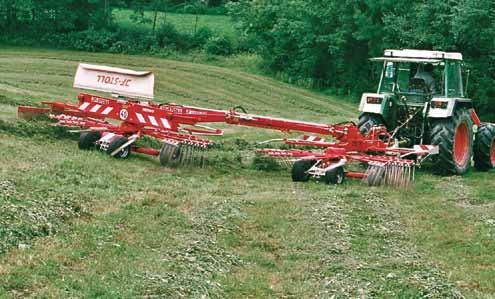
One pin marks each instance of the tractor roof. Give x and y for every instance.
(422, 55)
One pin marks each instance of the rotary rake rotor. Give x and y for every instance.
(174, 154)
(398, 174)
(116, 125)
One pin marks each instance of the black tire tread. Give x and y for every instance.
(442, 134)
(87, 140)
(483, 147)
(170, 155)
(331, 176)
(299, 169)
(116, 144)
(367, 121)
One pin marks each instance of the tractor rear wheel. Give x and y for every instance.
(87, 139)
(114, 145)
(334, 176)
(484, 147)
(170, 155)
(299, 170)
(454, 136)
(368, 121)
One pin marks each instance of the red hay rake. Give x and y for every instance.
(114, 124)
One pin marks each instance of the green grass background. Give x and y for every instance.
(186, 23)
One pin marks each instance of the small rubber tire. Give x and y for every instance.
(88, 139)
(484, 147)
(454, 137)
(170, 155)
(299, 170)
(334, 176)
(118, 142)
(368, 121)
(375, 176)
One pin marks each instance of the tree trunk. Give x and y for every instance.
(11, 14)
(154, 19)
(196, 23)
(107, 13)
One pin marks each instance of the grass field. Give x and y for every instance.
(183, 22)
(81, 224)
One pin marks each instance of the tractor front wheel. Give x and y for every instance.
(484, 147)
(454, 136)
(368, 121)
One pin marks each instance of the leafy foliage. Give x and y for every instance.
(54, 16)
(89, 27)
(327, 43)
(218, 45)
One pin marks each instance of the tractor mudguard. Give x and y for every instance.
(445, 107)
(375, 103)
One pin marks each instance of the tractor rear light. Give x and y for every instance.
(374, 100)
(439, 104)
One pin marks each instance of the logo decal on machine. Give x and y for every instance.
(123, 114)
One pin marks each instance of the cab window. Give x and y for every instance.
(453, 80)
(388, 79)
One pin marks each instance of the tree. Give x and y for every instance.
(54, 16)
(328, 43)
(141, 6)
(214, 3)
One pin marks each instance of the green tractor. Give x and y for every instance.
(421, 99)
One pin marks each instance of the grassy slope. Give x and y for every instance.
(78, 223)
(183, 22)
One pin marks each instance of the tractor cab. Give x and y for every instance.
(417, 76)
(414, 82)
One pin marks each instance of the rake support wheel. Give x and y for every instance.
(299, 170)
(484, 147)
(454, 136)
(334, 176)
(87, 139)
(114, 145)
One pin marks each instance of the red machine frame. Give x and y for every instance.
(178, 126)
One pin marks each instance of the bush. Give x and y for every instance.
(265, 163)
(133, 40)
(219, 45)
(55, 40)
(203, 34)
(199, 9)
(167, 36)
(92, 40)
(247, 43)
(121, 47)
